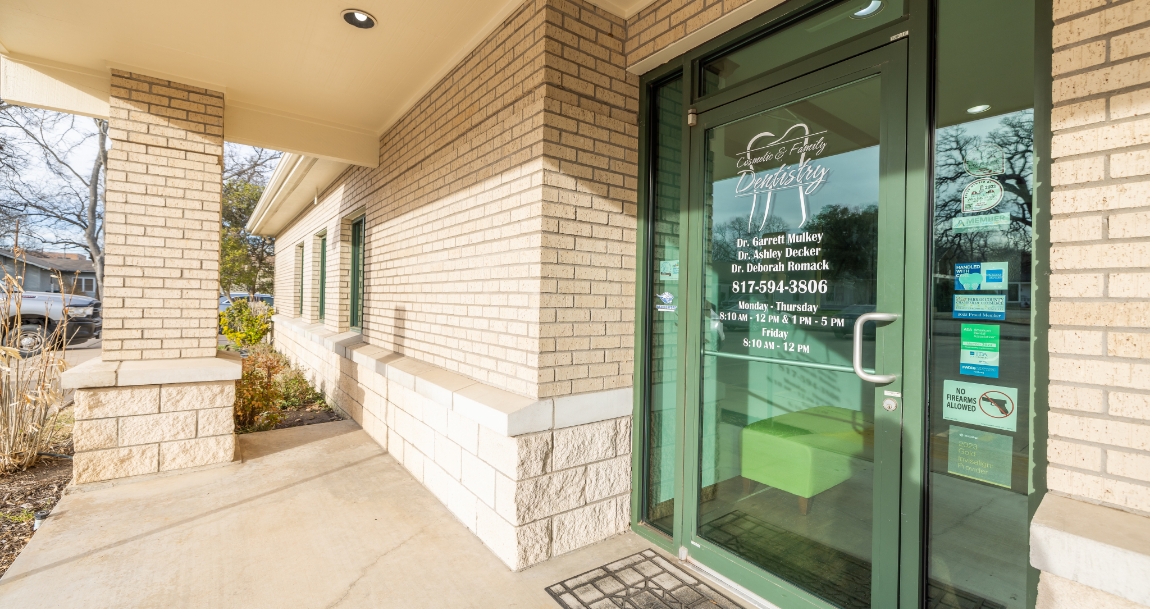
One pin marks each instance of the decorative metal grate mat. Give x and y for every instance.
(641, 581)
(831, 574)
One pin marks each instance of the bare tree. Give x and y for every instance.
(43, 180)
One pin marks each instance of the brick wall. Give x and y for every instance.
(500, 222)
(162, 219)
(664, 22)
(1100, 231)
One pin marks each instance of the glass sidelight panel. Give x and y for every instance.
(791, 218)
(663, 306)
(979, 374)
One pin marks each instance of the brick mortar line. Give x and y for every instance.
(1092, 11)
(1104, 37)
(1104, 95)
(1103, 474)
(1095, 444)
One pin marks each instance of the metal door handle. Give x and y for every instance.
(878, 379)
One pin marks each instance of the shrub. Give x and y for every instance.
(246, 323)
(296, 390)
(258, 396)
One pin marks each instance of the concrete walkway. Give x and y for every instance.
(312, 517)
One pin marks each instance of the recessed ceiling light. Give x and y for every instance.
(358, 18)
(979, 109)
(869, 10)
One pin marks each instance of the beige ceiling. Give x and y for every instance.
(294, 59)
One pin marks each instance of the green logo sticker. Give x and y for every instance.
(980, 455)
(977, 224)
(983, 405)
(981, 195)
(979, 350)
(985, 160)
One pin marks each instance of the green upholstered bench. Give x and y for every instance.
(807, 452)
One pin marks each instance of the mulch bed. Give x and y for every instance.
(22, 495)
(296, 418)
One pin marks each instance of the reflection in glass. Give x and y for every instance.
(979, 367)
(666, 164)
(787, 431)
(810, 35)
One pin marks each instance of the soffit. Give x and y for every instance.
(295, 58)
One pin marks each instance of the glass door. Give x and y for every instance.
(793, 473)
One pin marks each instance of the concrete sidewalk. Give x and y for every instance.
(312, 517)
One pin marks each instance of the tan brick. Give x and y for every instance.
(1128, 344)
(1076, 285)
(1129, 405)
(197, 452)
(1128, 465)
(1066, 230)
(146, 429)
(1129, 285)
(1077, 342)
(1079, 57)
(1078, 171)
(116, 402)
(1067, 8)
(1076, 398)
(1074, 455)
(1077, 115)
(1126, 226)
(94, 466)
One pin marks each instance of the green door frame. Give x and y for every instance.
(915, 27)
(889, 63)
(918, 26)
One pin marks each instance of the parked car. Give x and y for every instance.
(41, 313)
(225, 303)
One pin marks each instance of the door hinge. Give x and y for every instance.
(692, 117)
(900, 35)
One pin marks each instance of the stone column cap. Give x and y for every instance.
(225, 366)
(1097, 546)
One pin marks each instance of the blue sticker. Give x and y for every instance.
(980, 306)
(980, 276)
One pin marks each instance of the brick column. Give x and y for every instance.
(159, 398)
(161, 271)
(1099, 445)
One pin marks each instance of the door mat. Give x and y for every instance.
(640, 581)
(831, 574)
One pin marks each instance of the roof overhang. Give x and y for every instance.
(295, 76)
(294, 186)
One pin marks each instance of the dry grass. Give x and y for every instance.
(30, 393)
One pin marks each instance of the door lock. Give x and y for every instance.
(889, 405)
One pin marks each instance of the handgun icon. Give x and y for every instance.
(999, 404)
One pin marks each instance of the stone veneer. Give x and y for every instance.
(506, 466)
(136, 418)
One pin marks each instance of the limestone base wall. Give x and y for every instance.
(128, 431)
(528, 497)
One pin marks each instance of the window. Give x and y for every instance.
(322, 276)
(663, 288)
(357, 268)
(87, 284)
(299, 278)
